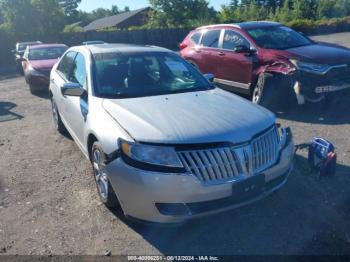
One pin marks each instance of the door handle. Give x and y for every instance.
(221, 53)
(198, 51)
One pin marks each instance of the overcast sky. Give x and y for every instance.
(88, 5)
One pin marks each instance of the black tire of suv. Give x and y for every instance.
(111, 201)
(272, 92)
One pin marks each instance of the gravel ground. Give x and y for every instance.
(49, 204)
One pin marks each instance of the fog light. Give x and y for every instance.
(177, 209)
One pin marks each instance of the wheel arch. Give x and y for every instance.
(91, 139)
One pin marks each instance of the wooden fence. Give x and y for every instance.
(168, 38)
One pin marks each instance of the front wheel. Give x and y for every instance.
(262, 92)
(59, 126)
(271, 92)
(104, 188)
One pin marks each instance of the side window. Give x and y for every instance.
(233, 39)
(78, 74)
(66, 64)
(196, 37)
(211, 38)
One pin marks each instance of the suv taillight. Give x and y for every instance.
(182, 45)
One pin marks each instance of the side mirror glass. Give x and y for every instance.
(209, 77)
(243, 49)
(72, 89)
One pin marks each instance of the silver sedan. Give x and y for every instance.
(165, 144)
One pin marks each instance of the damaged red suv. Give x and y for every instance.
(268, 61)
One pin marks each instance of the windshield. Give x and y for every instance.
(46, 53)
(145, 74)
(278, 37)
(22, 47)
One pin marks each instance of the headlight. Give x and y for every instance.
(285, 136)
(310, 68)
(156, 156)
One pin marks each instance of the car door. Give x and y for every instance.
(58, 79)
(208, 51)
(76, 108)
(234, 69)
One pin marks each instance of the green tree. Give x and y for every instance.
(285, 13)
(32, 18)
(303, 9)
(73, 29)
(180, 13)
(69, 6)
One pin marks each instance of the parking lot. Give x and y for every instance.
(49, 204)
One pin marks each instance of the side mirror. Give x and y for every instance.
(72, 89)
(209, 77)
(243, 49)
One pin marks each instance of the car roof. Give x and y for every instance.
(127, 48)
(244, 25)
(257, 24)
(93, 42)
(27, 43)
(46, 46)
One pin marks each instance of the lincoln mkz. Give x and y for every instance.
(165, 144)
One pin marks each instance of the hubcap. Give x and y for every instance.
(100, 174)
(257, 91)
(256, 96)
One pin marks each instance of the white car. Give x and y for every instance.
(165, 144)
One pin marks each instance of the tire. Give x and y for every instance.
(32, 89)
(104, 188)
(271, 92)
(57, 118)
(20, 69)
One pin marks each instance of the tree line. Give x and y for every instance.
(284, 11)
(28, 19)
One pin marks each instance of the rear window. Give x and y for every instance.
(196, 37)
(211, 38)
(46, 53)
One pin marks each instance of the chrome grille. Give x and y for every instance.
(227, 163)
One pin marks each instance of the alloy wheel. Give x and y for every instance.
(100, 174)
(54, 113)
(257, 91)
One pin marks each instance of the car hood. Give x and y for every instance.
(195, 117)
(43, 64)
(321, 53)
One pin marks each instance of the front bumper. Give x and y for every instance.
(314, 85)
(42, 81)
(145, 195)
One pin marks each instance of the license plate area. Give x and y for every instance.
(248, 188)
(330, 88)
